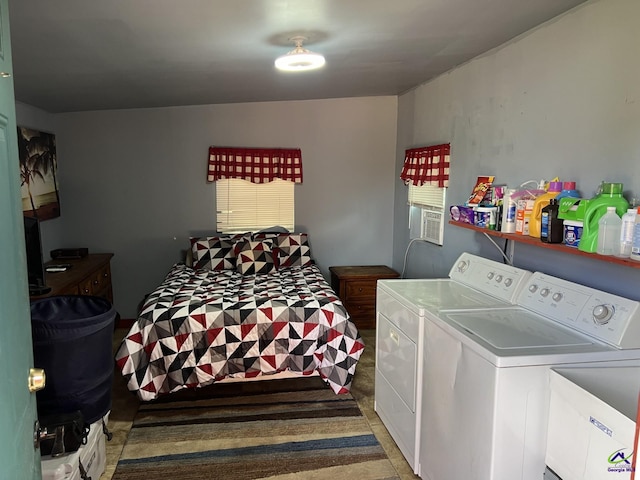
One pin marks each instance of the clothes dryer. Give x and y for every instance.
(402, 306)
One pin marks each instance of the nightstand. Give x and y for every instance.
(356, 287)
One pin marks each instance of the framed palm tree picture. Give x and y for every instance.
(38, 168)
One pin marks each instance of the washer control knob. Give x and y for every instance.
(557, 296)
(462, 266)
(508, 282)
(545, 292)
(533, 288)
(498, 278)
(602, 314)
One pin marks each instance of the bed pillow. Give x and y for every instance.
(255, 257)
(215, 253)
(293, 248)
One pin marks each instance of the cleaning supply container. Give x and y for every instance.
(568, 191)
(551, 227)
(610, 195)
(540, 202)
(572, 231)
(509, 207)
(609, 226)
(626, 233)
(635, 248)
(485, 217)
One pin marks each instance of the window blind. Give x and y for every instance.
(427, 196)
(243, 206)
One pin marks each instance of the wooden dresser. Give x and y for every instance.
(90, 275)
(356, 287)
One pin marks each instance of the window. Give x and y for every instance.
(243, 206)
(254, 187)
(426, 173)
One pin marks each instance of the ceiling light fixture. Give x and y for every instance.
(299, 59)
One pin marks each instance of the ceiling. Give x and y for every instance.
(78, 55)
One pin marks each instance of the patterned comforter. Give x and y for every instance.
(200, 326)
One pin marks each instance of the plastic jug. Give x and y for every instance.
(635, 248)
(568, 191)
(540, 202)
(609, 226)
(610, 195)
(626, 232)
(551, 227)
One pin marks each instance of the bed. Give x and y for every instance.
(249, 305)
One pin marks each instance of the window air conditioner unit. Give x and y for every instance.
(427, 225)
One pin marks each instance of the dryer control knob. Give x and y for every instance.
(602, 314)
(490, 275)
(462, 266)
(545, 292)
(557, 297)
(533, 288)
(508, 282)
(499, 278)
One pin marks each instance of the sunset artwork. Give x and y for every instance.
(38, 167)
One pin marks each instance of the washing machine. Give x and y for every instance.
(486, 375)
(402, 306)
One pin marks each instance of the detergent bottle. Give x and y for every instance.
(609, 195)
(568, 191)
(540, 202)
(524, 198)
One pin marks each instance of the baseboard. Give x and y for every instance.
(124, 322)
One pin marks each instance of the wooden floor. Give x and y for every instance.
(125, 406)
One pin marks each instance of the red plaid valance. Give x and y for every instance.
(257, 165)
(427, 166)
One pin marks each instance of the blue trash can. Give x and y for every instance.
(72, 342)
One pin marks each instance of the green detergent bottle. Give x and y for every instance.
(610, 195)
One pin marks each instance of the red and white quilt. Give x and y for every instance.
(200, 326)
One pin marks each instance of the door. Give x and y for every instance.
(18, 457)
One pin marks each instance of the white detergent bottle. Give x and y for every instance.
(609, 227)
(635, 248)
(626, 234)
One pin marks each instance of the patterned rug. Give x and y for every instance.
(278, 429)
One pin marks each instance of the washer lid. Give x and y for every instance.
(437, 294)
(516, 329)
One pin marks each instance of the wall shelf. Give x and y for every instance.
(550, 246)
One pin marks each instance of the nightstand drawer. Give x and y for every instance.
(359, 289)
(361, 310)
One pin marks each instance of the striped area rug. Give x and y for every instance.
(279, 429)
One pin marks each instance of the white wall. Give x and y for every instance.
(133, 182)
(562, 100)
